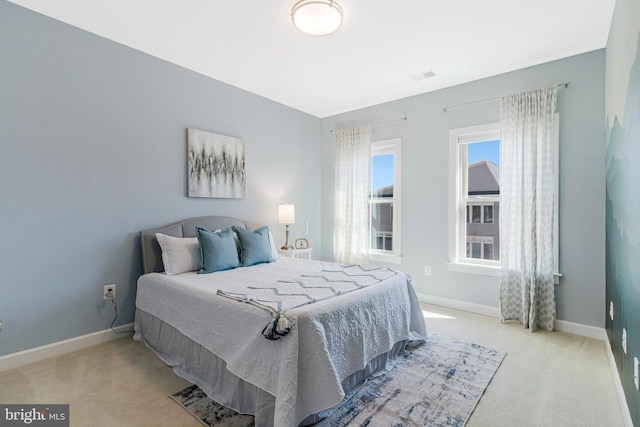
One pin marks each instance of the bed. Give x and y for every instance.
(349, 323)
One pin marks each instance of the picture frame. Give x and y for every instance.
(301, 243)
(215, 165)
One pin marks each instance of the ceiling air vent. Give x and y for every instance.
(423, 75)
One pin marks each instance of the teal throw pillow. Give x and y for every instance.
(255, 247)
(218, 250)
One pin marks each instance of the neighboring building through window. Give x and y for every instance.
(483, 200)
(384, 201)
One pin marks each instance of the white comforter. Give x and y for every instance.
(329, 340)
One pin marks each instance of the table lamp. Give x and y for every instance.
(287, 215)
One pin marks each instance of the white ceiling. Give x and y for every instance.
(373, 57)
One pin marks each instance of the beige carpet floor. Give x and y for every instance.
(546, 379)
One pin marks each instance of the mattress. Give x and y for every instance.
(329, 341)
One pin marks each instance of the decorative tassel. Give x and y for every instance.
(278, 327)
(283, 326)
(269, 333)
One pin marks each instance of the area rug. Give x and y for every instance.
(437, 384)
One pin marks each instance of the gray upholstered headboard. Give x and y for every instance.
(151, 253)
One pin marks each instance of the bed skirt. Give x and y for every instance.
(196, 364)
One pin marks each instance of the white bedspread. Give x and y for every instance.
(329, 340)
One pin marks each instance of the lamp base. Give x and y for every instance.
(286, 246)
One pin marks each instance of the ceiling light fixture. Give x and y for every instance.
(316, 17)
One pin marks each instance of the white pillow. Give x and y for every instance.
(274, 251)
(179, 254)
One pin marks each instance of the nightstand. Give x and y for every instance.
(296, 253)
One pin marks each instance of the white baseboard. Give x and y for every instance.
(624, 407)
(459, 305)
(21, 358)
(559, 325)
(580, 329)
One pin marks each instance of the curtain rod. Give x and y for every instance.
(565, 84)
(388, 121)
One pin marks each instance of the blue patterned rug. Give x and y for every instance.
(436, 384)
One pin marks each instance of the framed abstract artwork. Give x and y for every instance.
(215, 165)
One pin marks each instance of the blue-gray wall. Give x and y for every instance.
(425, 175)
(92, 149)
(623, 192)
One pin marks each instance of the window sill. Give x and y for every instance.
(389, 259)
(485, 270)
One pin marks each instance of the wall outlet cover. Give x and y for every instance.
(611, 310)
(109, 291)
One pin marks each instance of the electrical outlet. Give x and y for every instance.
(427, 270)
(636, 376)
(109, 291)
(624, 340)
(0, 325)
(611, 310)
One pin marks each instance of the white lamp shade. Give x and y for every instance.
(287, 214)
(316, 17)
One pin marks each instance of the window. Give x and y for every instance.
(475, 198)
(480, 213)
(480, 247)
(384, 201)
(488, 214)
(474, 195)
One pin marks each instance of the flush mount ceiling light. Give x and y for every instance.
(316, 17)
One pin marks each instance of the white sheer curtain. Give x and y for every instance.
(526, 208)
(351, 157)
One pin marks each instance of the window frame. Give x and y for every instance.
(457, 176)
(382, 147)
(458, 168)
